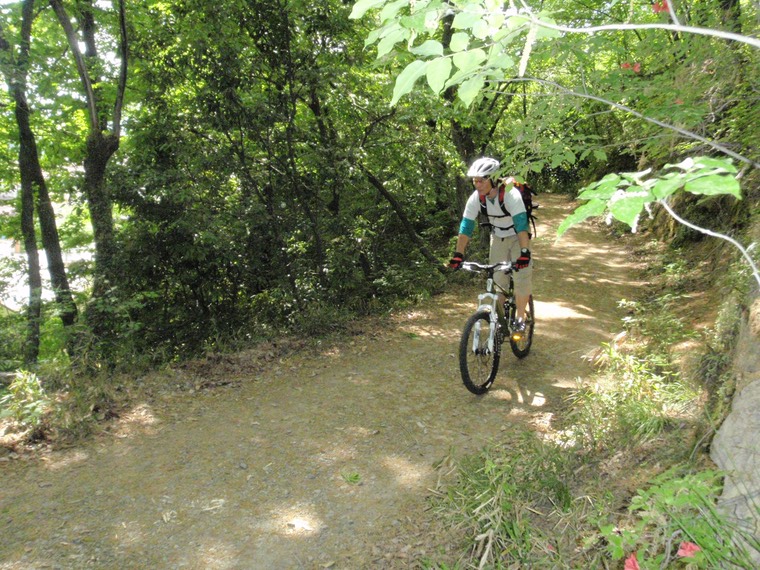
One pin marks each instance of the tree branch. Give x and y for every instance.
(732, 241)
(684, 132)
(402, 217)
(122, 87)
(63, 18)
(672, 27)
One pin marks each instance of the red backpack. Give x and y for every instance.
(526, 192)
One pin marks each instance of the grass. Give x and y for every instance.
(352, 477)
(625, 479)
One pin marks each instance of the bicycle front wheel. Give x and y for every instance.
(477, 363)
(521, 345)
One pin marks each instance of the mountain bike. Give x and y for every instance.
(489, 326)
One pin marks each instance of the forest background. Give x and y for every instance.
(236, 170)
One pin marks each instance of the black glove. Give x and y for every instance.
(524, 260)
(456, 261)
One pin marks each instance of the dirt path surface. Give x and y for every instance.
(321, 460)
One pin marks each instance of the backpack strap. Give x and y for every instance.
(500, 199)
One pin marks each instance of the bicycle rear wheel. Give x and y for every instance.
(521, 347)
(477, 363)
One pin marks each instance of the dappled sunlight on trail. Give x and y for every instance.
(325, 458)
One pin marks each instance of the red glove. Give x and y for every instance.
(524, 260)
(456, 261)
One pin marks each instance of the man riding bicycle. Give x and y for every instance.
(510, 237)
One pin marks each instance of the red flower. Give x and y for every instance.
(626, 65)
(636, 67)
(688, 550)
(660, 6)
(631, 563)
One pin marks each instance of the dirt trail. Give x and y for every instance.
(263, 474)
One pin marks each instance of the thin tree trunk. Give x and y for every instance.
(33, 182)
(100, 149)
(31, 175)
(100, 144)
(34, 309)
(399, 209)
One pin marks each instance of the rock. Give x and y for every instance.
(734, 448)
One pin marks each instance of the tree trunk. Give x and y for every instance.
(32, 178)
(399, 209)
(100, 149)
(34, 309)
(100, 144)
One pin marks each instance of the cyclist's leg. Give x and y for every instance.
(523, 280)
(500, 251)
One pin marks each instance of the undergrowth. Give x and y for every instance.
(624, 480)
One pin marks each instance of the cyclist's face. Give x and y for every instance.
(482, 185)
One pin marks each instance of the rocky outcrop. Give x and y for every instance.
(736, 447)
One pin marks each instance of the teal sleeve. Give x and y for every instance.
(467, 226)
(521, 222)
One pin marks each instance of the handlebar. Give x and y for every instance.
(505, 266)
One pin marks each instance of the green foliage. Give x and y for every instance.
(625, 196)
(242, 199)
(678, 509)
(511, 499)
(351, 477)
(499, 493)
(637, 402)
(26, 401)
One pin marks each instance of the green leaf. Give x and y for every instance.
(432, 17)
(542, 32)
(407, 78)
(459, 42)
(481, 29)
(429, 48)
(372, 37)
(469, 60)
(470, 89)
(390, 10)
(361, 7)
(465, 20)
(714, 185)
(538, 166)
(683, 165)
(438, 72)
(600, 155)
(627, 209)
(590, 209)
(416, 22)
(720, 163)
(500, 60)
(517, 22)
(667, 185)
(391, 39)
(601, 192)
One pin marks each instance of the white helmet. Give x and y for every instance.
(483, 167)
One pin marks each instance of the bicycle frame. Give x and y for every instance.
(489, 326)
(489, 301)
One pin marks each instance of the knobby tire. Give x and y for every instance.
(521, 347)
(479, 367)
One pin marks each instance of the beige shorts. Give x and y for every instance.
(508, 248)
